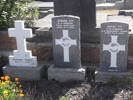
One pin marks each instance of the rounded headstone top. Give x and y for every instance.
(66, 16)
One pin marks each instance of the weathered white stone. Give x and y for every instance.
(22, 56)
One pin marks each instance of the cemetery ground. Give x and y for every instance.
(53, 90)
(114, 89)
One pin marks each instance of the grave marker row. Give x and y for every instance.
(66, 47)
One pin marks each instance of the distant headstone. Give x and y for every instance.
(100, 1)
(114, 46)
(22, 57)
(128, 4)
(85, 9)
(66, 41)
(111, 1)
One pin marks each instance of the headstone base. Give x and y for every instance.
(24, 73)
(66, 74)
(106, 76)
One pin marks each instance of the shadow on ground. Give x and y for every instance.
(3, 62)
(53, 90)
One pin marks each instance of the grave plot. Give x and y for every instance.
(22, 64)
(66, 49)
(114, 46)
(21, 57)
(113, 52)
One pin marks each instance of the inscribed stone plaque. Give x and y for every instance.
(114, 46)
(66, 41)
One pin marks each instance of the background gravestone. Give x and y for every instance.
(85, 9)
(114, 46)
(128, 4)
(66, 41)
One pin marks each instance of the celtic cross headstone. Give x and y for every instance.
(114, 46)
(66, 41)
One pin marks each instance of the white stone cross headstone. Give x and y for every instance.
(114, 47)
(66, 42)
(22, 57)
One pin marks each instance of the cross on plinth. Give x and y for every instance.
(114, 47)
(21, 56)
(66, 42)
(21, 34)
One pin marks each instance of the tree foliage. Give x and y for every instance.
(11, 10)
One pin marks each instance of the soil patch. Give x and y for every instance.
(53, 90)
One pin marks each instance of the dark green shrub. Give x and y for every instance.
(11, 10)
(129, 80)
(112, 81)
